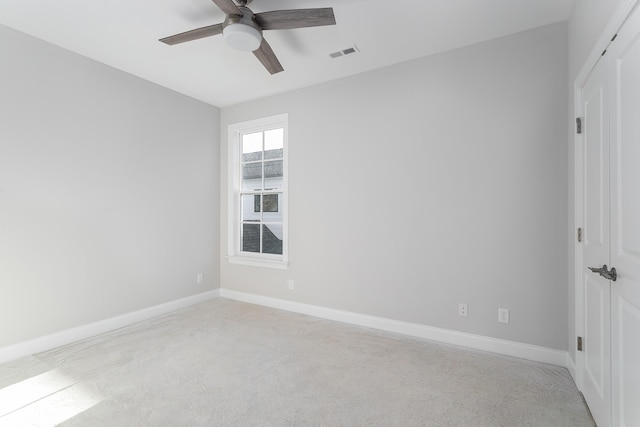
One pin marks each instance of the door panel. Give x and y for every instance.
(596, 215)
(625, 222)
(628, 150)
(596, 247)
(627, 369)
(595, 347)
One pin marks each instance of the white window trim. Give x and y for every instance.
(234, 255)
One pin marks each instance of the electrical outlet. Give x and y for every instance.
(503, 315)
(200, 279)
(462, 310)
(291, 285)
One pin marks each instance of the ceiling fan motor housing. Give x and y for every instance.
(242, 32)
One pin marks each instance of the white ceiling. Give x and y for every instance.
(124, 34)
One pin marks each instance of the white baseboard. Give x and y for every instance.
(68, 336)
(571, 367)
(479, 342)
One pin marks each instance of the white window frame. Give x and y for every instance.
(234, 254)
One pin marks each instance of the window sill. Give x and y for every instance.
(259, 262)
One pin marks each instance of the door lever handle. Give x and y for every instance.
(605, 272)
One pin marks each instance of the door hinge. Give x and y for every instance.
(580, 234)
(579, 343)
(579, 125)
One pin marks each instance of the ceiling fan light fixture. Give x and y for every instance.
(242, 37)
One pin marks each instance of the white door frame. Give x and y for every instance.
(614, 25)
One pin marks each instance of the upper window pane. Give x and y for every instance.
(273, 143)
(273, 176)
(252, 147)
(252, 176)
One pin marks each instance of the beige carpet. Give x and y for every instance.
(225, 363)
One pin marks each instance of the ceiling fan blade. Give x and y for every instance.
(295, 18)
(198, 33)
(228, 7)
(265, 55)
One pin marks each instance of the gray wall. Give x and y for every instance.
(108, 191)
(421, 185)
(588, 21)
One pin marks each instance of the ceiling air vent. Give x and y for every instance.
(344, 52)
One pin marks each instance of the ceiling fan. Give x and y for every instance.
(242, 29)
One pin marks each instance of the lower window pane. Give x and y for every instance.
(272, 239)
(251, 237)
(271, 211)
(250, 209)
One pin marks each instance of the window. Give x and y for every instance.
(258, 192)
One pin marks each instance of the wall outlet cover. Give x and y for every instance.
(462, 310)
(503, 315)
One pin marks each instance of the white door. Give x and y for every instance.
(596, 245)
(624, 60)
